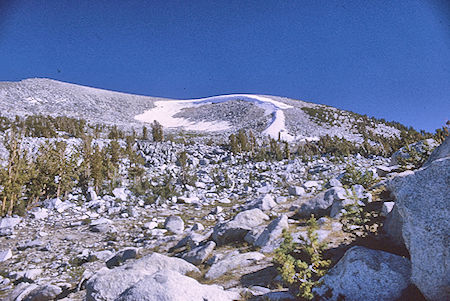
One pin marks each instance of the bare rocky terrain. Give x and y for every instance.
(213, 224)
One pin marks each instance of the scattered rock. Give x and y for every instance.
(272, 232)
(174, 224)
(122, 256)
(5, 255)
(232, 261)
(200, 254)
(296, 190)
(236, 229)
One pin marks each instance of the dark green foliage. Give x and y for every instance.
(353, 176)
(13, 176)
(144, 133)
(301, 266)
(157, 132)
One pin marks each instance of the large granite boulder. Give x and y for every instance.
(365, 274)
(108, 284)
(172, 286)
(236, 229)
(423, 202)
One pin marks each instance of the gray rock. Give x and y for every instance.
(364, 274)
(108, 284)
(91, 195)
(236, 229)
(199, 254)
(21, 291)
(122, 256)
(264, 203)
(422, 200)
(334, 183)
(392, 227)
(387, 208)
(174, 224)
(9, 222)
(296, 190)
(39, 213)
(232, 261)
(272, 232)
(320, 205)
(44, 293)
(120, 194)
(30, 244)
(310, 184)
(442, 151)
(5, 255)
(171, 285)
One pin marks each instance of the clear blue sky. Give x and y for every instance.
(388, 59)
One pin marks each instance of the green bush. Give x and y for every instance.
(302, 265)
(353, 176)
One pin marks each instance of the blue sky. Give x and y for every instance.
(388, 59)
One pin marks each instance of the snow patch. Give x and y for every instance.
(165, 110)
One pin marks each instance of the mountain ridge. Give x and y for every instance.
(300, 119)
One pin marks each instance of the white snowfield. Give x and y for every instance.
(165, 110)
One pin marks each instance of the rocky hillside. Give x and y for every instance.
(95, 211)
(298, 120)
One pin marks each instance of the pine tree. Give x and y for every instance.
(144, 133)
(14, 175)
(302, 266)
(157, 132)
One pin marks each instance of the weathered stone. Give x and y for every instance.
(199, 254)
(296, 190)
(272, 232)
(44, 293)
(174, 224)
(39, 213)
(364, 274)
(387, 208)
(236, 229)
(122, 256)
(422, 200)
(120, 194)
(9, 222)
(320, 205)
(264, 203)
(108, 284)
(30, 244)
(171, 285)
(232, 261)
(5, 255)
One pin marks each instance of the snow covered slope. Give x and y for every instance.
(164, 112)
